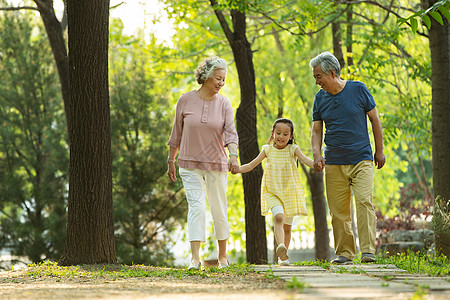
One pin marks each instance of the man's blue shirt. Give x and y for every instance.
(344, 114)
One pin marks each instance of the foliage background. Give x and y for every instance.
(146, 78)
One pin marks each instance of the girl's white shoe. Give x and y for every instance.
(283, 262)
(282, 252)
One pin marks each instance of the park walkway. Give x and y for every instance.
(361, 281)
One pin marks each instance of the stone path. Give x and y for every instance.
(361, 281)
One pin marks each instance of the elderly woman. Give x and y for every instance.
(203, 127)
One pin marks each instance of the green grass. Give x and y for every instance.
(418, 263)
(52, 269)
(318, 263)
(420, 292)
(297, 285)
(351, 270)
(414, 263)
(269, 274)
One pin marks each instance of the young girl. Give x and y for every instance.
(281, 189)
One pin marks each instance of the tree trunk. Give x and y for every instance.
(440, 77)
(255, 227)
(321, 233)
(337, 42)
(90, 231)
(55, 36)
(349, 36)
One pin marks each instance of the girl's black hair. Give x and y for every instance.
(285, 121)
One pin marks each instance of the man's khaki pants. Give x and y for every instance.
(340, 180)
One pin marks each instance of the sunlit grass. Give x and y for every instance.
(52, 269)
(414, 263)
(296, 284)
(318, 263)
(418, 263)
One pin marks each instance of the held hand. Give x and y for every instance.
(171, 171)
(235, 171)
(379, 159)
(319, 163)
(233, 165)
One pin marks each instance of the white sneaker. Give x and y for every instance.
(282, 252)
(283, 262)
(193, 266)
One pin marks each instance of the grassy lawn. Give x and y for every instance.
(413, 263)
(52, 269)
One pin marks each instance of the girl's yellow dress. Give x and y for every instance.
(281, 182)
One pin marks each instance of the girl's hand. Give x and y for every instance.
(171, 171)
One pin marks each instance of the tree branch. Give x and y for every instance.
(222, 21)
(19, 8)
(64, 17)
(302, 32)
(376, 3)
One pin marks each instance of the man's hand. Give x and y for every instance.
(319, 163)
(379, 159)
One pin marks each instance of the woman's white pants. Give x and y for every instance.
(198, 185)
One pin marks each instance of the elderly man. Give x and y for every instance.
(343, 105)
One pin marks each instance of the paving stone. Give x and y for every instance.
(360, 281)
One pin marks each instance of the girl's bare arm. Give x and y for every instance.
(306, 160)
(251, 165)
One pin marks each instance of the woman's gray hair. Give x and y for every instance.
(327, 62)
(208, 66)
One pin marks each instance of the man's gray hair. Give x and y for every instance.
(327, 62)
(208, 66)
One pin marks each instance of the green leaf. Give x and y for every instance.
(419, 13)
(414, 25)
(437, 16)
(445, 12)
(427, 21)
(400, 21)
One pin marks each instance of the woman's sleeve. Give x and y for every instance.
(177, 129)
(230, 133)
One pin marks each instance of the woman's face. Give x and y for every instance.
(282, 134)
(216, 81)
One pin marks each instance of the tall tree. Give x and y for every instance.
(256, 242)
(439, 37)
(90, 232)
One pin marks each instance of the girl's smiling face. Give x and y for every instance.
(282, 134)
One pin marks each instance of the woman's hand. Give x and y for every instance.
(171, 171)
(233, 165)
